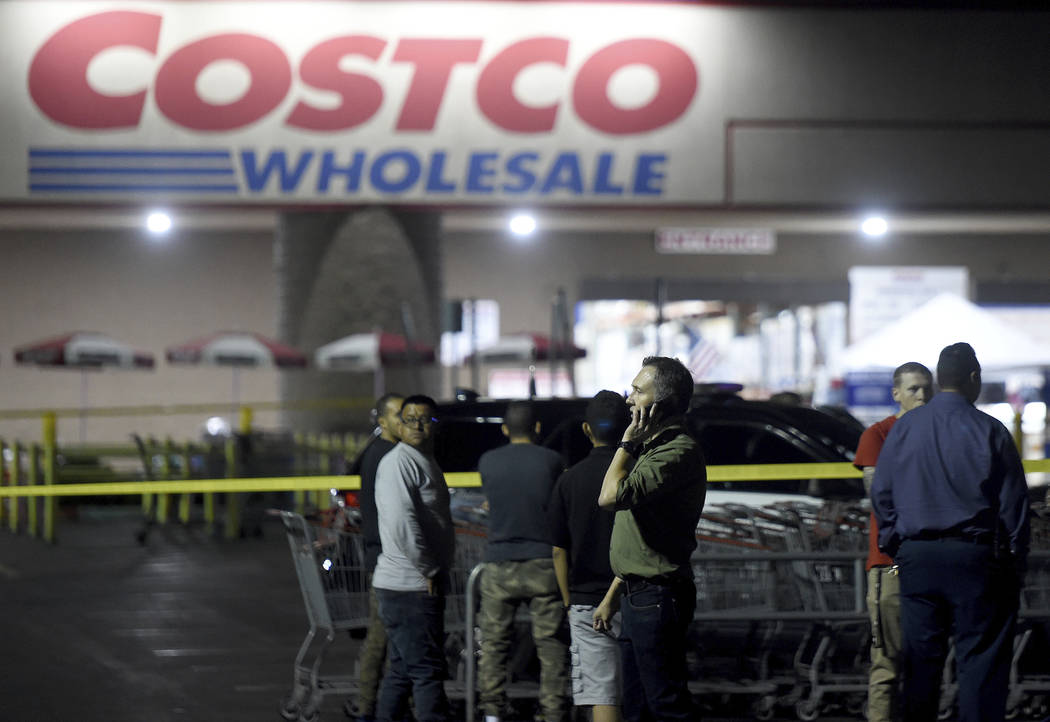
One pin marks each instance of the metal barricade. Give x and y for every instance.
(459, 611)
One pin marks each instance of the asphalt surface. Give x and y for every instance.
(184, 627)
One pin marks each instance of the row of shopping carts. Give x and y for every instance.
(781, 624)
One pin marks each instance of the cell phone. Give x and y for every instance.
(655, 411)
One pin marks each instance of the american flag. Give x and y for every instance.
(702, 356)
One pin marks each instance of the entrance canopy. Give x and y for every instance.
(944, 320)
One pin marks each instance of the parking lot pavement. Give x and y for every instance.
(185, 627)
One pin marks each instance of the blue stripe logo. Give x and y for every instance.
(131, 170)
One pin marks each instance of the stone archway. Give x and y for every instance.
(340, 273)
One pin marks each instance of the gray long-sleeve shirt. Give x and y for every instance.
(415, 525)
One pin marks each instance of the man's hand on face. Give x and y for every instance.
(642, 422)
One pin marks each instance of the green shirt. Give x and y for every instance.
(658, 507)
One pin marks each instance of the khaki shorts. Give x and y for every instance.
(596, 677)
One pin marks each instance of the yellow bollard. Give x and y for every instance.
(313, 445)
(9, 501)
(185, 499)
(208, 502)
(233, 471)
(233, 520)
(34, 479)
(300, 470)
(164, 500)
(322, 497)
(16, 480)
(147, 498)
(50, 473)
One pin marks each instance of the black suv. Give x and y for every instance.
(731, 430)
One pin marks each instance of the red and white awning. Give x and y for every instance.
(371, 351)
(83, 349)
(526, 348)
(236, 348)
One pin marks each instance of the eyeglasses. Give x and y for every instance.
(417, 420)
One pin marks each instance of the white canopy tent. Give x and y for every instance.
(941, 321)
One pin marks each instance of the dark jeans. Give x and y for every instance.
(655, 621)
(415, 628)
(951, 584)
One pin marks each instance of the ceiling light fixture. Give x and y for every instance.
(874, 226)
(158, 222)
(522, 225)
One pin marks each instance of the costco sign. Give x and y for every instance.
(323, 102)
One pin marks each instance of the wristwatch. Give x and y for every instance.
(631, 447)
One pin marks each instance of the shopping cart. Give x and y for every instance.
(1029, 696)
(782, 585)
(329, 563)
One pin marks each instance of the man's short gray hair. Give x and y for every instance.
(672, 382)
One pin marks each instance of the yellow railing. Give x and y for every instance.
(32, 479)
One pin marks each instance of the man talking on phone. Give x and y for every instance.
(656, 482)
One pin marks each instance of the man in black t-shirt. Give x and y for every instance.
(373, 649)
(580, 534)
(517, 480)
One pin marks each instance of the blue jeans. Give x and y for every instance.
(655, 621)
(415, 628)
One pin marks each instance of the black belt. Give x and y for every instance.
(982, 538)
(660, 580)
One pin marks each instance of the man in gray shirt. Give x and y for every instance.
(411, 576)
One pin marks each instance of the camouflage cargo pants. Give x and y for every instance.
(505, 585)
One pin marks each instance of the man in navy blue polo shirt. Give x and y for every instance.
(952, 506)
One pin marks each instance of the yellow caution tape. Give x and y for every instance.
(782, 472)
(189, 486)
(727, 473)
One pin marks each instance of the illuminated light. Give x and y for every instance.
(217, 426)
(522, 225)
(874, 226)
(158, 222)
(327, 564)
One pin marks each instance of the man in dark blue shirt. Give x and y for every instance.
(952, 506)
